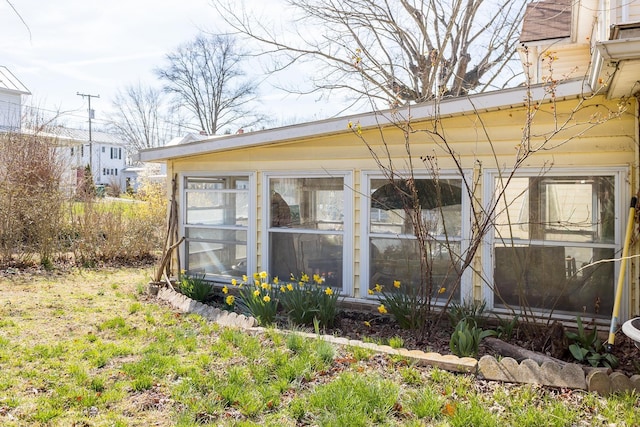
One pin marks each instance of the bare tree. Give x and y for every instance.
(426, 145)
(143, 117)
(397, 51)
(206, 77)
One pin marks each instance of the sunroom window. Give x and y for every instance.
(216, 225)
(306, 227)
(393, 247)
(551, 234)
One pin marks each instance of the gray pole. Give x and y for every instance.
(90, 117)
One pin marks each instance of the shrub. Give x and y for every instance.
(305, 300)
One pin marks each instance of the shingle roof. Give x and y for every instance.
(546, 20)
(10, 82)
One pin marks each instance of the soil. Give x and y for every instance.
(549, 341)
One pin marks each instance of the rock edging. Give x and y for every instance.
(506, 369)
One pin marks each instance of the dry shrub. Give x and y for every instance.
(30, 198)
(39, 224)
(124, 230)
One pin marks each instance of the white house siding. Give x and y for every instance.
(10, 111)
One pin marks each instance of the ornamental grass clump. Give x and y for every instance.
(305, 300)
(259, 297)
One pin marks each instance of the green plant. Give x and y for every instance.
(396, 342)
(586, 347)
(406, 306)
(507, 327)
(469, 309)
(305, 300)
(259, 299)
(466, 338)
(195, 287)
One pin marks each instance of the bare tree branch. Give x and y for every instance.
(206, 79)
(394, 51)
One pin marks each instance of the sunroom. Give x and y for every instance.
(311, 199)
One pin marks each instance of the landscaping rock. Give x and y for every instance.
(598, 381)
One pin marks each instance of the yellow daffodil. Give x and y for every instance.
(266, 298)
(183, 272)
(264, 286)
(289, 286)
(230, 300)
(382, 309)
(350, 125)
(282, 289)
(378, 287)
(276, 280)
(318, 279)
(396, 284)
(304, 278)
(370, 292)
(442, 290)
(245, 278)
(328, 291)
(263, 275)
(256, 282)
(225, 290)
(256, 276)
(256, 293)
(367, 323)
(234, 282)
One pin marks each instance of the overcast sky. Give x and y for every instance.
(96, 47)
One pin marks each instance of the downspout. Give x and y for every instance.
(635, 308)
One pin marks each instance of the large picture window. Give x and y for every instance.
(393, 249)
(216, 225)
(550, 234)
(306, 227)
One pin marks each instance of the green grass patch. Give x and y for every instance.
(130, 361)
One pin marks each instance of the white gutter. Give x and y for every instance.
(497, 100)
(619, 50)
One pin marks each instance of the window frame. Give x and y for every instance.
(347, 231)
(251, 222)
(466, 286)
(621, 189)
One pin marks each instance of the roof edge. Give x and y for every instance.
(449, 107)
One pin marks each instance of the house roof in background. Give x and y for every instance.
(11, 83)
(77, 136)
(546, 20)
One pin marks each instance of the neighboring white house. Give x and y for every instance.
(11, 91)
(105, 153)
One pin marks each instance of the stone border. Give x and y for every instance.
(573, 376)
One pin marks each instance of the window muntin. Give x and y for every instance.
(393, 247)
(216, 225)
(306, 233)
(549, 232)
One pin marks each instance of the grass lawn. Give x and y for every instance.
(88, 348)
